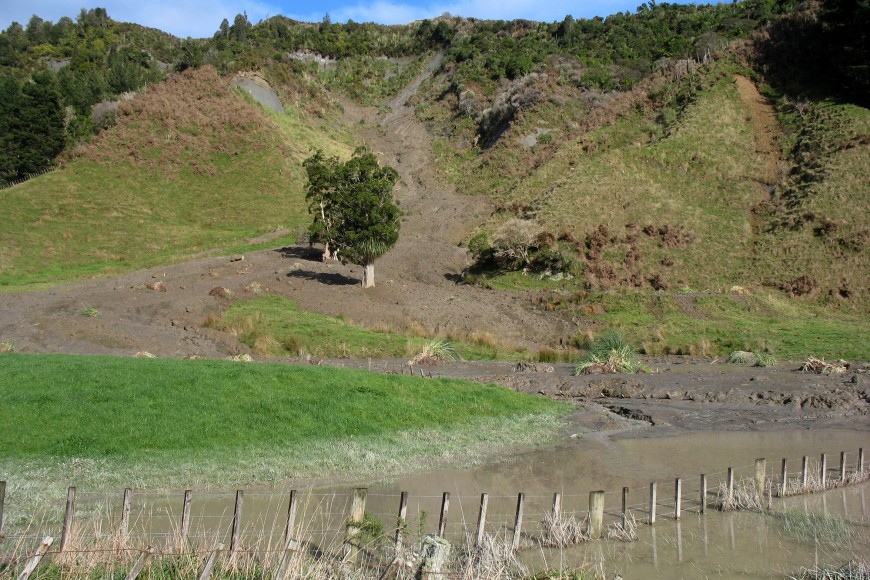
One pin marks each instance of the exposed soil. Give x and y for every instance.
(765, 127)
(416, 281)
(681, 394)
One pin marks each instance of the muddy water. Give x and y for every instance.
(722, 545)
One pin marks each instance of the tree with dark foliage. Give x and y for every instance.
(352, 204)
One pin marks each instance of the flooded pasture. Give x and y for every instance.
(828, 528)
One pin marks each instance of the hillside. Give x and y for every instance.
(715, 199)
(648, 172)
(189, 166)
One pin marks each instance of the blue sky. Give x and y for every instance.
(199, 18)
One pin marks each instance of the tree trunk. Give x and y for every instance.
(326, 254)
(369, 275)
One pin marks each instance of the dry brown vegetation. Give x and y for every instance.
(185, 121)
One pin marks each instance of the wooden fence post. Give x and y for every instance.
(760, 475)
(596, 514)
(481, 519)
(678, 497)
(2, 504)
(33, 562)
(212, 560)
(433, 558)
(140, 563)
(124, 529)
(442, 521)
(823, 470)
(68, 518)
(403, 516)
(185, 517)
(703, 493)
(518, 522)
(652, 503)
(290, 544)
(805, 468)
(729, 484)
(237, 522)
(842, 467)
(557, 505)
(357, 515)
(624, 508)
(291, 517)
(783, 478)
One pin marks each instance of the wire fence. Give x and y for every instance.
(274, 523)
(28, 177)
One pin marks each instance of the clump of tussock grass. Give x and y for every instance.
(435, 351)
(855, 570)
(7, 346)
(765, 359)
(623, 533)
(744, 497)
(549, 355)
(560, 530)
(485, 339)
(610, 354)
(212, 321)
(415, 328)
(294, 344)
(493, 559)
(265, 344)
(89, 311)
(752, 358)
(857, 477)
(742, 357)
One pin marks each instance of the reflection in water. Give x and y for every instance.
(722, 545)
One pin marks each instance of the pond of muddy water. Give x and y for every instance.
(721, 545)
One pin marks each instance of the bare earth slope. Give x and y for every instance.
(415, 281)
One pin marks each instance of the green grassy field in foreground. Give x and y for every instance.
(67, 406)
(106, 423)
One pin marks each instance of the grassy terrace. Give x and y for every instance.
(274, 325)
(106, 423)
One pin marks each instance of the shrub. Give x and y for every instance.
(514, 243)
(479, 247)
(547, 260)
